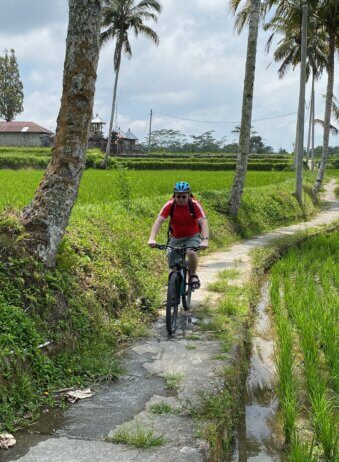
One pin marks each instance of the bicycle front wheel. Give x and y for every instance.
(173, 301)
(187, 295)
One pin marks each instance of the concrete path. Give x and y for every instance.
(158, 370)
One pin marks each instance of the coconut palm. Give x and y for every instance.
(247, 102)
(119, 17)
(327, 13)
(288, 52)
(47, 216)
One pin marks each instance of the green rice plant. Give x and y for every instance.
(325, 425)
(138, 435)
(301, 450)
(102, 187)
(284, 360)
(304, 298)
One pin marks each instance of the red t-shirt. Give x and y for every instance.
(183, 223)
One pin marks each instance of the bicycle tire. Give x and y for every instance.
(187, 295)
(173, 301)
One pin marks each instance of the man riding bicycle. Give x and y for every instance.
(188, 227)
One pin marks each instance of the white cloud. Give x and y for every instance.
(197, 71)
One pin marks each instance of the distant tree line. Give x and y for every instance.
(168, 140)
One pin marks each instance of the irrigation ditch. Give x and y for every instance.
(179, 397)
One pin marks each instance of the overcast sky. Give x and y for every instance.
(196, 72)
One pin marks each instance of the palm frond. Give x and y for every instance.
(147, 32)
(333, 130)
(107, 35)
(147, 5)
(335, 108)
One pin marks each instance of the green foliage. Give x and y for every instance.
(137, 435)
(173, 381)
(101, 187)
(123, 184)
(107, 282)
(163, 408)
(304, 298)
(11, 88)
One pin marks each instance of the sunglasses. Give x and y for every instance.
(181, 197)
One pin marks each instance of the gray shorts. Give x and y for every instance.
(173, 256)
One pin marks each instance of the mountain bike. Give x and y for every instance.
(179, 286)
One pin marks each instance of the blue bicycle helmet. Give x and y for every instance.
(181, 187)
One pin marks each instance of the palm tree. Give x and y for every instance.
(247, 102)
(119, 16)
(46, 217)
(288, 52)
(327, 12)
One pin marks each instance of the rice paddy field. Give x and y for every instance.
(102, 187)
(305, 303)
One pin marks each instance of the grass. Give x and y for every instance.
(304, 297)
(190, 346)
(107, 282)
(137, 435)
(193, 337)
(173, 381)
(163, 408)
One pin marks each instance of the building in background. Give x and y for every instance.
(96, 133)
(24, 134)
(125, 143)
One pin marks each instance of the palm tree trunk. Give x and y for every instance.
(246, 116)
(327, 117)
(296, 144)
(109, 138)
(46, 218)
(310, 120)
(301, 112)
(312, 142)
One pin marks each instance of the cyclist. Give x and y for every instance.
(188, 227)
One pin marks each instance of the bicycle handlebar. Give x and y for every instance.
(165, 246)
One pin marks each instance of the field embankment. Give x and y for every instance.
(104, 288)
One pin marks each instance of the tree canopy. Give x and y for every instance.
(11, 88)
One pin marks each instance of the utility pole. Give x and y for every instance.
(150, 131)
(301, 109)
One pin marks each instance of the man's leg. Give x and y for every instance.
(192, 258)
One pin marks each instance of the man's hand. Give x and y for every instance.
(203, 244)
(152, 243)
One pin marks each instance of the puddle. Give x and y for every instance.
(259, 436)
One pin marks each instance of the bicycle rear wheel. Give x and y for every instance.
(187, 295)
(173, 301)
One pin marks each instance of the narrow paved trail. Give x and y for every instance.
(190, 362)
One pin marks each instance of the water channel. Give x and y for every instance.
(259, 436)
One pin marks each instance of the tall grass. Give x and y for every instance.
(305, 302)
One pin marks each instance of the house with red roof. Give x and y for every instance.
(24, 134)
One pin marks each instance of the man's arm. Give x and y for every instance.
(154, 231)
(204, 232)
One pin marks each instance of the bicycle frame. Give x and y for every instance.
(181, 267)
(176, 289)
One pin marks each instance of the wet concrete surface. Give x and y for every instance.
(145, 365)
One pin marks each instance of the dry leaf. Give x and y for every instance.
(6, 440)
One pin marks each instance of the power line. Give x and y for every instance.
(219, 122)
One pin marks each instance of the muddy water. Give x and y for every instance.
(259, 436)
